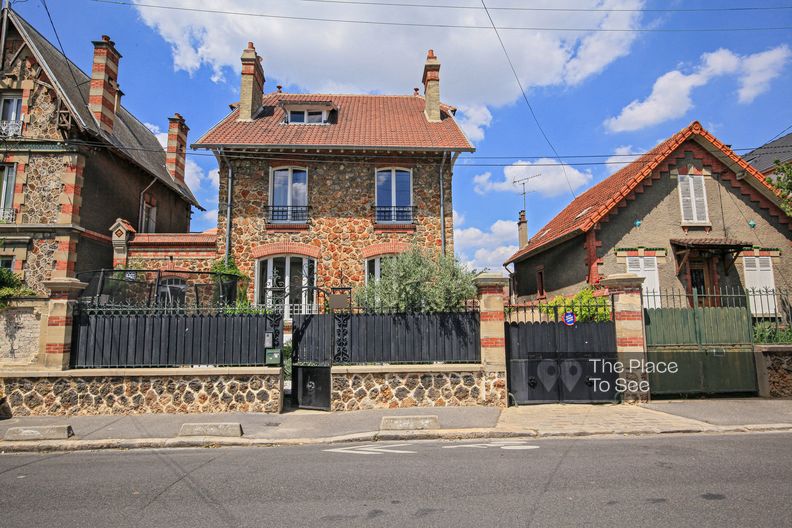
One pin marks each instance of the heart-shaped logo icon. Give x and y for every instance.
(547, 372)
(571, 372)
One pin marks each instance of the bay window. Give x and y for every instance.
(393, 196)
(288, 196)
(7, 211)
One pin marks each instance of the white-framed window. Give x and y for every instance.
(148, 223)
(11, 107)
(307, 116)
(7, 262)
(373, 267)
(646, 267)
(393, 195)
(760, 283)
(693, 199)
(8, 173)
(288, 200)
(172, 290)
(287, 282)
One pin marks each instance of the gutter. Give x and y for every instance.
(363, 148)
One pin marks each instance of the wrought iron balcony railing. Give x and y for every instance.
(10, 128)
(283, 214)
(396, 214)
(7, 216)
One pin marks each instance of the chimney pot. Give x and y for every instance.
(415, 91)
(280, 88)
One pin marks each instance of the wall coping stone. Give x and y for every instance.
(774, 348)
(622, 280)
(427, 367)
(139, 372)
(491, 279)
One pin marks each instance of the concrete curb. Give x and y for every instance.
(448, 434)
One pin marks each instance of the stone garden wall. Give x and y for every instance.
(138, 391)
(20, 331)
(778, 369)
(355, 388)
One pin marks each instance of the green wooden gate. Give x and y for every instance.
(708, 336)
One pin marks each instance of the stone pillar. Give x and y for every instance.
(630, 338)
(58, 335)
(121, 231)
(490, 288)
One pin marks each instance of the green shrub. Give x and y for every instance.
(586, 306)
(768, 333)
(12, 286)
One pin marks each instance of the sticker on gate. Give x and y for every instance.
(569, 318)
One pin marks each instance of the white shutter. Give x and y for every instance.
(699, 198)
(646, 267)
(686, 199)
(760, 283)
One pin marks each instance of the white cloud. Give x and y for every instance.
(486, 249)
(210, 215)
(162, 137)
(622, 156)
(193, 174)
(547, 180)
(671, 95)
(324, 56)
(759, 70)
(473, 120)
(459, 218)
(214, 178)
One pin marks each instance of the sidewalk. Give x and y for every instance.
(314, 427)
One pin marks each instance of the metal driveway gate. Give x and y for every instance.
(550, 361)
(709, 336)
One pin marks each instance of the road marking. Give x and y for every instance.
(372, 449)
(503, 444)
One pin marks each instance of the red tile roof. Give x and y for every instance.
(583, 213)
(375, 121)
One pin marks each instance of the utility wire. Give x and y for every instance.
(437, 25)
(527, 102)
(556, 9)
(60, 45)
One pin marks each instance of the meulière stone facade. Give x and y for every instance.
(779, 372)
(20, 329)
(341, 194)
(351, 392)
(94, 395)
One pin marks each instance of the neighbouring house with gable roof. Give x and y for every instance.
(315, 189)
(689, 214)
(763, 158)
(74, 160)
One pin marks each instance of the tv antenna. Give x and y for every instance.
(523, 182)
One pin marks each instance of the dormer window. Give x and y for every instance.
(307, 112)
(308, 117)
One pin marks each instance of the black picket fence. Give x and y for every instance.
(353, 338)
(108, 337)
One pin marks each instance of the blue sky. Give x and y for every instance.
(595, 93)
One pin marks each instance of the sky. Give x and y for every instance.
(599, 96)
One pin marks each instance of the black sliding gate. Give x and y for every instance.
(551, 361)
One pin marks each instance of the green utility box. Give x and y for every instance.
(273, 357)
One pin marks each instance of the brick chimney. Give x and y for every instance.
(252, 88)
(105, 96)
(177, 147)
(431, 82)
(522, 230)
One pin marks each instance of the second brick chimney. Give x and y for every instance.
(431, 82)
(522, 230)
(104, 96)
(252, 87)
(175, 156)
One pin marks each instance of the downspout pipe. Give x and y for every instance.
(3, 35)
(229, 193)
(442, 206)
(140, 204)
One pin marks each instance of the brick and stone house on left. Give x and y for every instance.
(74, 160)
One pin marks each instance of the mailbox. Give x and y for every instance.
(273, 357)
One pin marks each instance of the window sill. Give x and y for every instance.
(394, 228)
(287, 228)
(696, 224)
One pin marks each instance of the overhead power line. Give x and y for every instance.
(557, 9)
(527, 102)
(60, 46)
(439, 25)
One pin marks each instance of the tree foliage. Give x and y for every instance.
(586, 306)
(12, 286)
(418, 281)
(783, 181)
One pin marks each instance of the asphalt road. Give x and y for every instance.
(736, 480)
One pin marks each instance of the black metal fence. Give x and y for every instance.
(174, 336)
(360, 338)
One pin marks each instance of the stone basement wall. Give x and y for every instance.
(183, 391)
(778, 370)
(355, 388)
(20, 331)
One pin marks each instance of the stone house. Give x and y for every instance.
(689, 214)
(74, 159)
(315, 189)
